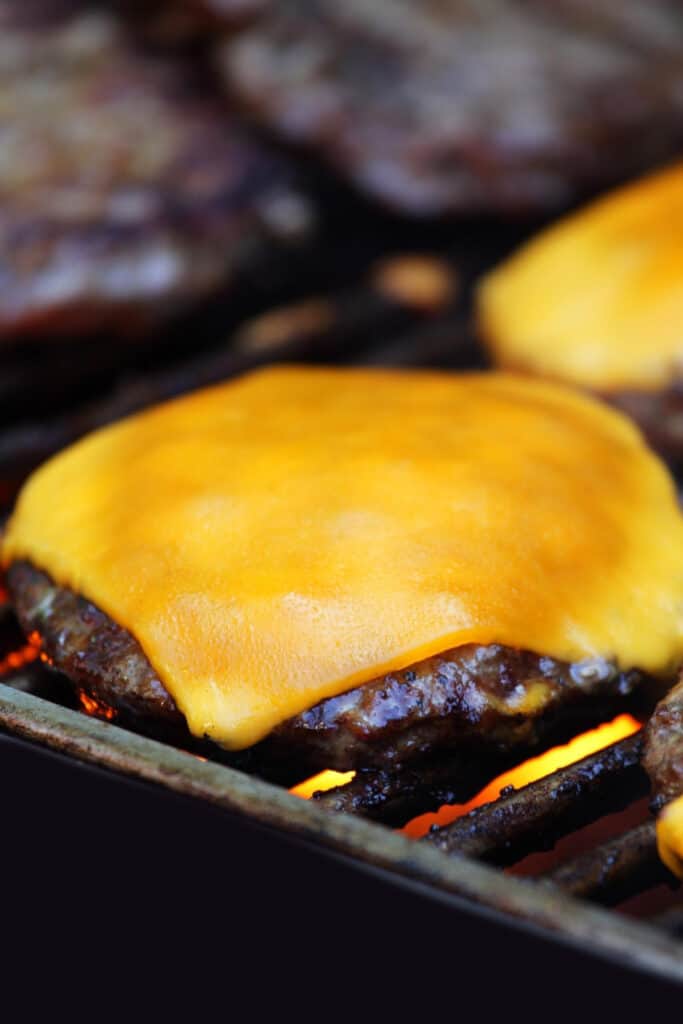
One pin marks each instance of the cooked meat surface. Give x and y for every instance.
(459, 105)
(663, 758)
(472, 697)
(127, 193)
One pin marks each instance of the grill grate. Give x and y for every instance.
(615, 870)
(534, 817)
(529, 820)
(650, 948)
(501, 832)
(371, 324)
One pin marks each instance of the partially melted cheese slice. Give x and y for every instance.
(670, 836)
(597, 299)
(281, 538)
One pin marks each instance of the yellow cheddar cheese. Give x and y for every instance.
(670, 836)
(597, 299)
(280, 538)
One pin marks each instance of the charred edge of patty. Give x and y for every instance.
(473, 697)
(663, 756)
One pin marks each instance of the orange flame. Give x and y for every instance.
(95, 707)
(23, 656)
(536, 768)
(321, 782)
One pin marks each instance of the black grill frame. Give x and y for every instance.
(465, 886)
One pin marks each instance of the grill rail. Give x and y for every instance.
(502, 832)
(632, 944)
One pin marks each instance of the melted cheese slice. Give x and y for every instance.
(670, 836)
(597, 300)
(283, 537)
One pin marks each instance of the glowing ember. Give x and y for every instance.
(23, 656)
(95, 707)
(321, 782)
(558, 757)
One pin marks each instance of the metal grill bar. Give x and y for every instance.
(616, 870)
(393, 797)
(535, 817)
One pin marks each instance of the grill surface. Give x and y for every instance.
(487, 909)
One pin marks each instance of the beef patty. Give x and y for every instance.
(462, 106)
(663, 757)
(127, 192)
(473, 697)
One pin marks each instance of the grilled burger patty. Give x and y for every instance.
(460, 106)
(663, 758)
(474, 697)
(127, 193)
